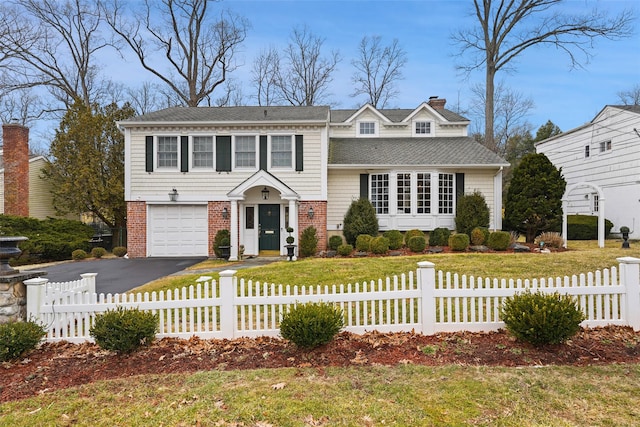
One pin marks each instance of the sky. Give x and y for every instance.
(568, 97)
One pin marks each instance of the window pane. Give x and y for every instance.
(423, 128)
(167, 151)
(281, 151)
(249, 218)
(424, 193)
(202, 151)
(380, 193)
(404, 193)
(445, 193)
(367, 128)
(245, 151)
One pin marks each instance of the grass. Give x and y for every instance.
(404, 395)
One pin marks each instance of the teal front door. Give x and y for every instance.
(269, 219)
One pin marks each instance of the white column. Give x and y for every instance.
(35, 297)
(228, 315)
(601, 221)
(565, 206)
(233, 238)
(427, 283)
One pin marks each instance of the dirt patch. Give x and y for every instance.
(60, 365)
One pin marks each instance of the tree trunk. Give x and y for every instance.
(488, 105)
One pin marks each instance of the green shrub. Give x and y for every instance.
(479, 235)
(471, 212)
(119, 251)
(345, 250)
(550, 239)
(439, 237)
(311, 325)
(411, 233)
(222, 239)
(499, 240)
(363, 243)
(124, 330)
(539, 318)
(359, 219)
(16, 338)
(379, 245)
(585, 227)
(459, 242)
(417, 244)
(395, 238)
(308, 242)
(79, 254)
(335, 242)
(98, 252)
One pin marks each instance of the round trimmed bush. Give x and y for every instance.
(395, 239)
(499, 240)
(479, 235)
(16, 338)
(124, 330)
(539, 318)
(379, 245)
(311, 325)
(335, 242)
(363, 243)
(417, 244)
(459, 242)
(345, 250)
(98, 252)
(119, 251)
(79, 254)
(439, 236)
(411, 233)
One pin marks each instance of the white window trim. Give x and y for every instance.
(606, 150)
(376, 132)
(192, 167)
(423, 135)
(156, 147)
(256, 149)
(293, 152)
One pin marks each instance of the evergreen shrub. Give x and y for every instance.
(124, 330)
(471, 212)
(479, 235)
(585, 227)
(308, 242)
(223, 238)
(499, 240)
(459, 242)
(17, 338)
(439, 236)
(119, 251)
(411, 233)
(363, 243)
(539, 318)
(345, 250)
(335, 242)
(311, 325)
(417, 244)
(359, 219)
(379, 245)
(98, 252)
(395, 238)
(79, 254)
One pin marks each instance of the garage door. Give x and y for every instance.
(178, 230)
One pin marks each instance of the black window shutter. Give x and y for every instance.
(459, 186)
(148, 153)
(223, 153)
(364, 186)
(184, 154)
(299, 153)
(263, 152)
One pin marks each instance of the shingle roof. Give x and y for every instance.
(454, 151)
(395, 115)
(234, 114)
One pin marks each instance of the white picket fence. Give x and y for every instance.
(422, 301)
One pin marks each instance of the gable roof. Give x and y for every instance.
(231, 115)
(437, 151)
(395, 115)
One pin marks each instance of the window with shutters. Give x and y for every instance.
(245, 151)
(167, 153)
(445, 193)
(202, 152)
(380, 193)
(281, 151)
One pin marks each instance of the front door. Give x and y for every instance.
(269, 217)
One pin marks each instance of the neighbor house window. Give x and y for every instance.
(245, 151)
(380, 193)
(445, 193)
(281, 151)
(605, 146)
(423, 128)
(586, 151)
(423, 193)
(404, 193)
(167, 152)
(367, 128)
(202, 156)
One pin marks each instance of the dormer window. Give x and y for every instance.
(423, 128)
(367, 128)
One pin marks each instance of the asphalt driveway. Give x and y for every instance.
(116, 275)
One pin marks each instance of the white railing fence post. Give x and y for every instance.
(427, 284)
(90, 280)
(35, 297)
(630, 276)
(228, 294)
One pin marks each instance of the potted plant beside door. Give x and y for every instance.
(221, 244)
(290, 246)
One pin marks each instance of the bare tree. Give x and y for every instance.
(198, 50)
(378, 68)
(263, 76)
(507, 28)
(631, 96)
(304, 77)
(232, 95)
(54, 44)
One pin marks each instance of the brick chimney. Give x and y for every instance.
(16, 169)
(437, 103)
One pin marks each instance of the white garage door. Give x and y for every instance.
(177, 230)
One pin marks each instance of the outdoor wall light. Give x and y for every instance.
(310, 213)
(173, 195)
(225, 213)
(265, 194)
